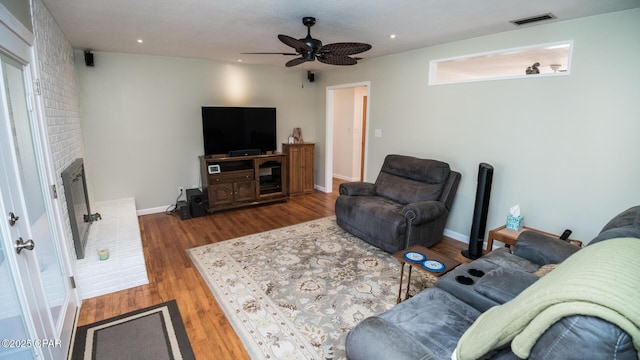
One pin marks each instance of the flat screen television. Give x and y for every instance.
(229, 130)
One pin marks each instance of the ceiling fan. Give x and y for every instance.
(310, 49)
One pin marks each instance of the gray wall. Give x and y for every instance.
(565, 148)
(143, 123)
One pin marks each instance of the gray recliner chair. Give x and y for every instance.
(407, 205)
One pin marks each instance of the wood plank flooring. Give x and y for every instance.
(172, 275)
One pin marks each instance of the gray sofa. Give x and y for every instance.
(460, 313)
(407, 205)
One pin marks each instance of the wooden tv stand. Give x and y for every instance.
(238, 181)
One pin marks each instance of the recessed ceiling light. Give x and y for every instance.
(140, 41)
(239, 60)
(392, 36)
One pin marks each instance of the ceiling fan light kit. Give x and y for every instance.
(310, 49)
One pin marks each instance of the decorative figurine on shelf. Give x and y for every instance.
(533, 69)
(297, 135)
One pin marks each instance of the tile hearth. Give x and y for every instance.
(120, 233)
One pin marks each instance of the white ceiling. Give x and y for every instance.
(223, 29)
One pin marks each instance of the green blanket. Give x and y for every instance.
(600, 280)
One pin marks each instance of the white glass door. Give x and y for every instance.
(13, 325)
(20, 313)
(41, 302)
(40, 223)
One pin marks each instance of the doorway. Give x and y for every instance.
(347, 116)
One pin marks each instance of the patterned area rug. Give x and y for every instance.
(295, 292)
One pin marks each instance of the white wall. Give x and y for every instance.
(61, 101)
(347, 132)
(143, 122)
(565, 148)
(343, 145)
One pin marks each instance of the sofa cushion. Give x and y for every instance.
(542, 249)
(584, 337)
(377, 219)
(407, 179)
(488, 279)
(502, 285)
(427, 326)
(423, 170)
(503, 258)
(625, 224)
(406, 191)
(471, 275)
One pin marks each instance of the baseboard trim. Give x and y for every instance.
(154, 210)
(346, 178)
(464, 238)
(456, 236)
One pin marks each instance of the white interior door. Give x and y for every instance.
(38, 304)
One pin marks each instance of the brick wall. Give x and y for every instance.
(60, 97)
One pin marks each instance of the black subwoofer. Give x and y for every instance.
(197, 201)
(480, 210)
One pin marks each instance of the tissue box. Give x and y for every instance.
(514, 222)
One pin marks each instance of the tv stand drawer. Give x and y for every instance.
(233, 176)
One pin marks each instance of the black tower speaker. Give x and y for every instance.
(88, 58)
(197, 202)
(476, 238)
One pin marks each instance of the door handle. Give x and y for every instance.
(21, 244)
(13, 218)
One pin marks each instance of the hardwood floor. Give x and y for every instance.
(172, 275)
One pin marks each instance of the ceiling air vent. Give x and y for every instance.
(533, 19)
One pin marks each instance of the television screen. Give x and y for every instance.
(227, 129)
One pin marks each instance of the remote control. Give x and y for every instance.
(565, 235)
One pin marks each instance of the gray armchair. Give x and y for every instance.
(407, 205)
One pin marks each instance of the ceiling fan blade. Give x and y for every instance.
(296, 61)
(269, 53)
(299, 45)
(345, 48)
(337, 60)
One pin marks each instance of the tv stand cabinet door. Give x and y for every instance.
(244, 191)
(220, 195)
